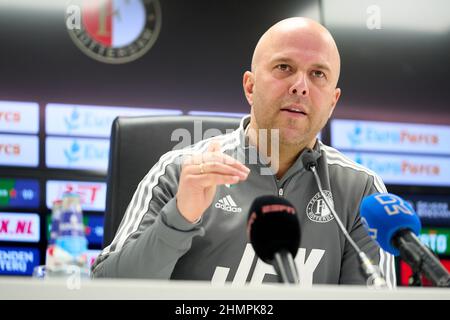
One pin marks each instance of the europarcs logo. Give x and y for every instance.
(114, 31)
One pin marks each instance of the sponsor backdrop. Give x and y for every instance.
(70, 67)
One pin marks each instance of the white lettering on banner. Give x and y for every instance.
(436, 210)
(435, 242)
(306, 268)
(13, 261)
(16, 255)
(13, 266)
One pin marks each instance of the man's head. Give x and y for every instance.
(295, 67)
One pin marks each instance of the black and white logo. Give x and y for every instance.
(317, 209)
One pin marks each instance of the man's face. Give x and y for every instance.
(293, 86)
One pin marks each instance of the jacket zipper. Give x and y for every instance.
(280, 192)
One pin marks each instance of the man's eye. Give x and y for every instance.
(318, 74)
(283, 67)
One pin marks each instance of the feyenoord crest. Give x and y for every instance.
(115, 31)
(317, 209)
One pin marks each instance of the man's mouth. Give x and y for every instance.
(294, 110)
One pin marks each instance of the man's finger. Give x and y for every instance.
(214, 146)
(215, 167)
(211, 179)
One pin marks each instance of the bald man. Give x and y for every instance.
(187, 219)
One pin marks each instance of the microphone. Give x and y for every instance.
(274, 232)
(309, 160)
(394, 224)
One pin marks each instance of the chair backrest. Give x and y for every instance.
(137, 143)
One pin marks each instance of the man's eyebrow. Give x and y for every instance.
(321, 66)
(281, 59)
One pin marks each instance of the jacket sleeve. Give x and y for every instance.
(351, 272)
(153, 234)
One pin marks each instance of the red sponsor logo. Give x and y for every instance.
(420, 169)
(88, 193)
(22, 227)
(9, 116)
(277, 208)
(10, 149)
(408, 137)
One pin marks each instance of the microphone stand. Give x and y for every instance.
(285, 267)
(369, 269)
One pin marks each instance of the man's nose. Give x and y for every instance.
(300, 87)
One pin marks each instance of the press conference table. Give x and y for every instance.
(27, 288)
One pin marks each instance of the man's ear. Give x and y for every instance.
(248, 84)
(337, 94)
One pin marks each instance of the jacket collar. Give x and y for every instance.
(247, 149)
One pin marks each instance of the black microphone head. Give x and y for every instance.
(272, 227)
(309, 158)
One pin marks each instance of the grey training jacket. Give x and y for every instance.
(154, 241)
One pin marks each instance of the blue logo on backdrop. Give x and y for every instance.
(358, 159)
(72, 123)
(18, 261)
(361, 134)
(355, 137)
(87, 152)
(88, 120)
(379, 166)
(73, 154)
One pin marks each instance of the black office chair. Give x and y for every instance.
(137, 143)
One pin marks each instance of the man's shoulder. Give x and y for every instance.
(342, 167)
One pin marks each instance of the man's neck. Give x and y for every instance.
(288, 155)
(281, 160)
